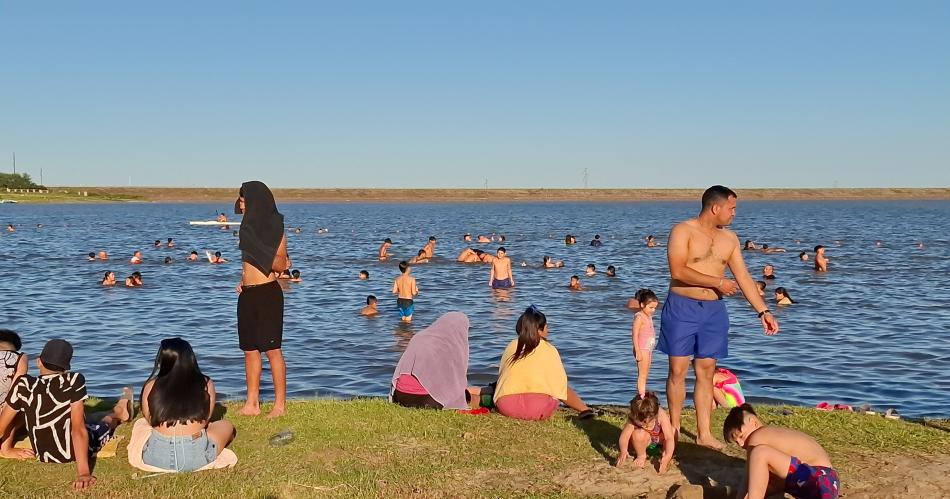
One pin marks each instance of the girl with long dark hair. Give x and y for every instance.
(177, 401)
(532, 382)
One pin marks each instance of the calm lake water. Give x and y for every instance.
(874, 329)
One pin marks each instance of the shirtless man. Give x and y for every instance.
(694, 322)
(193, 257)
(501, 276)
(467, 256)
(260, 297)
(575, 284)
(384, 249)
(370, 308)
(821, 262)
(483, 239)
(419, 258)
(767, 249)
(405, 289)
(136, 257)
(429, 248)
(103, 255)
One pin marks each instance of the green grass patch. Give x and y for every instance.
(368, 447)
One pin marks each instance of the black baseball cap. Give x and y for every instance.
(57, 354)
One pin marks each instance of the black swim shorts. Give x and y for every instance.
(261, 317)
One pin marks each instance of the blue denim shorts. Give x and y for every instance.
(185, 453)
(694, 328)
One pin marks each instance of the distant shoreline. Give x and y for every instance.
(489, 196)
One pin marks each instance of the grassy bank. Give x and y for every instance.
(170, 194)
(70, 195)
(369, 448)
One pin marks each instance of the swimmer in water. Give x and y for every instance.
(134, 280)
(370, 308)
(749, 245)
(761, 285)
(297, 230)
(218, 259)
(651, 241)
(767, 249)
(364, 275)
(429, 248)
(596, 242)
(170, 243)
(295, 276)
(193, 257)
(108, 279)
(483, 239)
(782, 297)
(158, 243)
(103, 255)
(91, 257)
(575, 284)
(384, 249)
(11, 228)
(768, 272)
(484, 257)
(591, 270)
(611, 271)
(168, 260)
(550, 263)
(419, 258)
(821, 262)
(467, 237)
(570, 239)
(136, 257)
(803, 256)
(467, 255)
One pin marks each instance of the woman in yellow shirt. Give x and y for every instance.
(531, 378)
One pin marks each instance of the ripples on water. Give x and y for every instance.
(874, 329)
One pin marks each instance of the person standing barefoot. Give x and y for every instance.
(260, 307)
(694, 322)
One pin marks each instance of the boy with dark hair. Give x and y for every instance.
(419, 258)
(776, 453)
(429, 248)
(821, 261)
(405, 289)
(52, 406)
(364, 275)
(13, 364)
(501, 276)
(384, 249)
(370, 308)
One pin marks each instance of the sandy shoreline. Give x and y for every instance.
(171, 195)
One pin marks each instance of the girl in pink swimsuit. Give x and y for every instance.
(644, 336)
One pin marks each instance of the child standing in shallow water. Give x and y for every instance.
(644, 336)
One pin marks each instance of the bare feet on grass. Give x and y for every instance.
(710, 442)
(277, 412)
(250, 409)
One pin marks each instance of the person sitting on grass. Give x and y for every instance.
(431, 374)
(13, 364)
(780, 459)
(177, 402)
(532, 382)
(650, 432)
(370, 308)
(54, 413)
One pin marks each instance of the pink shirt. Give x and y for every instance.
(648, 334)
(408, 384)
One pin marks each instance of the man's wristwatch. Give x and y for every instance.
(766, 311)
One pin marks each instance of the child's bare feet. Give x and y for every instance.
(14, 453)
(640, 461)
(276, 412)
(250, 409)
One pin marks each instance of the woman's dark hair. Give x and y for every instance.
(644, 408)
(528, 327)
(567, 239)
(545, 259)
(803, 253)
(646, 296)
(180, 390)
(784, 292)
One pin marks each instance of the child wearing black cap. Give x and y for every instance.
(53, 409)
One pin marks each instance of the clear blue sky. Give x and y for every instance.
(449, 94)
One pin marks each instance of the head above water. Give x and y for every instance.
(803, 255)
(388, 241)
(532, 327)
(168, 259)
(364, 274)
(501, 251)
(371, 299)
(403, 266)
(295, 274)
(611, 270)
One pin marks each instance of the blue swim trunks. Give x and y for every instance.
(811, 482)
(501, 283)
(405, 306)
(694, 328)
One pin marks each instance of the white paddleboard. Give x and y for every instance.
(214, 222)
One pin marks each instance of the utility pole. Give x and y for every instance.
(14, 163)
(586, 177)
(41, 176)
(486, 184)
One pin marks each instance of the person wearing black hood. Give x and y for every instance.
(261, 301)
